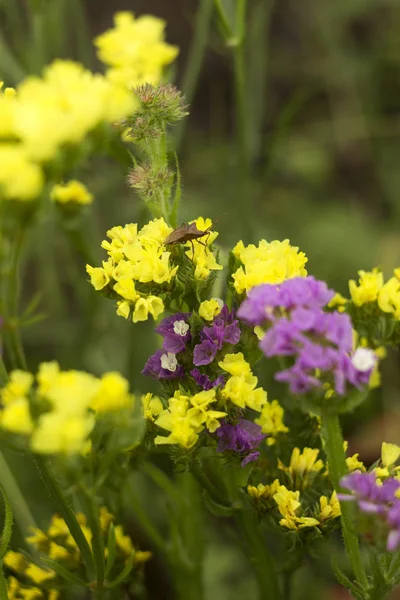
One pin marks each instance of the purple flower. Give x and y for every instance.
(175, 331)
(318, 342)
(376, 499)
(204, 353)
(163, 365)
(204, 381)
(242, 438)
(224, 330)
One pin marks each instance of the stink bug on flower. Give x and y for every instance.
(187, 232)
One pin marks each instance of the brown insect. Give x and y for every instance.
(187, 232)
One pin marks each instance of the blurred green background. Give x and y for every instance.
(320, 116)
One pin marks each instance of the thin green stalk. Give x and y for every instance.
(67, 513)
(145, 522)
(3, 584)
(239, 67)
(195, 59)
(260, 556)
(333, 444)
(82, 32)
(12, 300)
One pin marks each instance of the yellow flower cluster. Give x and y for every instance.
(72, 192)
(303, 466)
(353, 463)
(371, 288)
(271, 421)
(289, 506)
(58, 544)
(138, 264)
(135, 50)
(68, 102)
(241, 386)
(269, 262)
(186, 416)
(64, 404)
(199, 250)
(209, 309)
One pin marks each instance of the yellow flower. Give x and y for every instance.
(126, 289)
(367, 290)
(113, 394)
(264, 492)
(72, 192)
(271, 421)
(16, 417)
(209, 309)
(390, 453)
(329, 509)
(389, 297)
(241, 389)
(272, 262)
(288, 504)
(353, 463)
(177, 419)
(338, 302)
(152, 406)
(19, 385)
(70, 392)
(135, 49)
(98, 277)
(59, 433)
(15, 561)
(20, 178)
(235, 364)
(123, 309)
(124, 542)
(39, 575)
(302, 465)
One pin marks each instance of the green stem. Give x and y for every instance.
(195, 59)
(3, 584)
(333, 444)
(67, 513)
(239, 66)
(260, 556)
(11, 304)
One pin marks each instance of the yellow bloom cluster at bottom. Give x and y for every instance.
(58, 544)
(186, 416)
(290, 508)
(65, 405)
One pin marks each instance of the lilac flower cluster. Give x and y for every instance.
(175, 331)
(379, 499)
(224, 330)
(163, 364)
(320, 342)
(242, 438)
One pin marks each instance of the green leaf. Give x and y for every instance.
(63, 572)
(218, 510)
(92, 511)
(112, 550)
(7, 527)
(124, 573)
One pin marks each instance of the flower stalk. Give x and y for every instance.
(333, 444)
